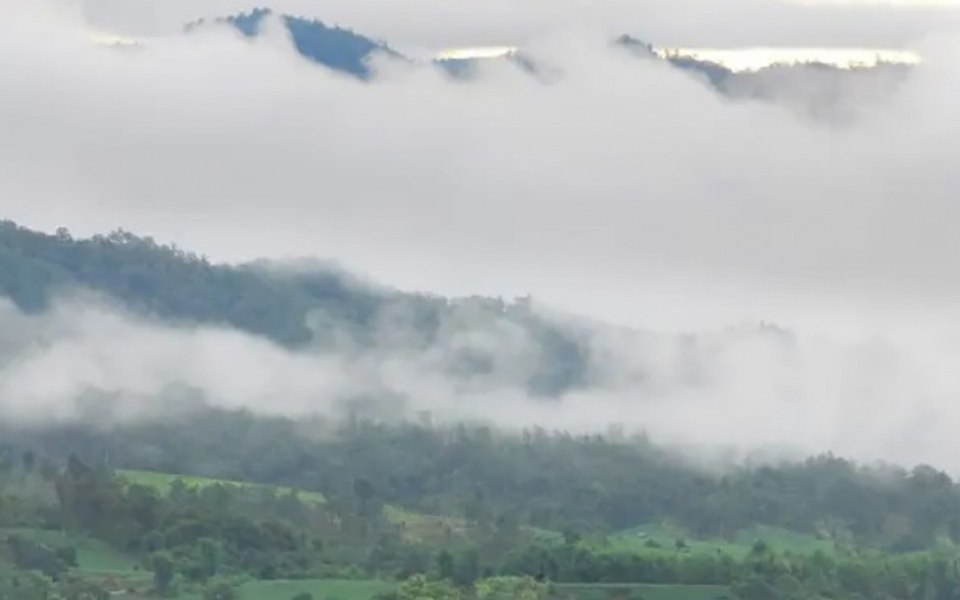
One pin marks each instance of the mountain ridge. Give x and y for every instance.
(346, 51)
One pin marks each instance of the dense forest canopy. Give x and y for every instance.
(214, 494)
(292, 305)
(549, 480)
(208, 501)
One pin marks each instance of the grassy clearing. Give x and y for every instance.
(638, 591)
(92, 555)
(162, 482)
(784, 540)
(320, 589)
(441, 530)
(416, 527)
(429, 529)
(665, 536)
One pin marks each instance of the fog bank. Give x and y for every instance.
(744, 388)
(622, 189)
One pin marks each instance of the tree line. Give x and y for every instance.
(203, 537)
(553, 481)
(313, 306)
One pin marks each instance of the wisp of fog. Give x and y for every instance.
(740, 388)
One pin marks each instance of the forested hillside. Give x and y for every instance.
(293, 306)
(552, 481)
(198, 501)
(452, 512)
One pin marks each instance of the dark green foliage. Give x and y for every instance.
(215, 533)
(197, 533)
(81, 589)
(220, 589)
(23, 585)
(163, 572)
(466, 567)
(499, 483)
(32, 556)
(291, 306)
(445, 564)
(170, 283)
(67, 555)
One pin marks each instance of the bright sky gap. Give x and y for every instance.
(736, 59)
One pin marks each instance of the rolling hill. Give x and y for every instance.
(297, 306)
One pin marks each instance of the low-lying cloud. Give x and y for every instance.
(622, 189)
(742, 388)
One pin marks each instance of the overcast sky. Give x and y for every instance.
(623, 190)
(446, 23)
(615, 190)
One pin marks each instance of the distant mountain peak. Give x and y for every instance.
(334, 47)
(636, 45)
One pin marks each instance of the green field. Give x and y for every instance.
(638, 591)
(439, 529)
(120, 574)
(339, 589)
(643, 537)
(286, 589)
(92, 555)
(162, 482)
(429, 529)
(416, 527)
(320, 589)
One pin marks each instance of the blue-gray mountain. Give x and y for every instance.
(342, 49)
(334, 47)
(821, 91)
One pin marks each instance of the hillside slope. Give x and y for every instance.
(334, 47)
(294, 306)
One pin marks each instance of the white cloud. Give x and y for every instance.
(623, 190)
(241, 150)
(742, 389)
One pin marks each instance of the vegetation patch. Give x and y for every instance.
(641, 592)
(429, 529)
(671, 538)
(164, 482)
(92, 555)
(318, 589)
